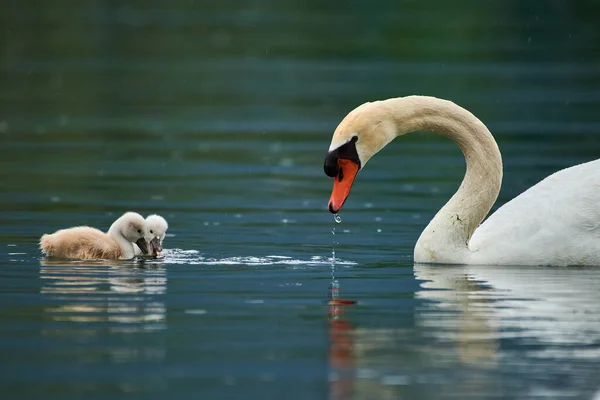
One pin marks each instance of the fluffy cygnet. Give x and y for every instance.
(83, 242)
(156, 227)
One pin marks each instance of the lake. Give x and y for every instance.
(219, 117)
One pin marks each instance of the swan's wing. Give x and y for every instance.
(80, 242)
(554, 222)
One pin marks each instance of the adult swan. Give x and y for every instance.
(556, 222)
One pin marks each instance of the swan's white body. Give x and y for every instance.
(156, 227)
(556, 222)
(84, 242)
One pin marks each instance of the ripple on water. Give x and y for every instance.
(194, 257)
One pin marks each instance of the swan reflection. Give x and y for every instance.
(522, 324)
(341, 351)
(106, 312)
(544, 305)
(477, 330)
(130, 295)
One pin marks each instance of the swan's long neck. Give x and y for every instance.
(127, 249)
(446, 237)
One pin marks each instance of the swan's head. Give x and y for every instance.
(133, 227)
(361, 134)
(157, 229)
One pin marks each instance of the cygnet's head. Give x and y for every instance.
(133, 227)
(156, 227)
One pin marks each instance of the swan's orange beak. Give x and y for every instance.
(342, 184)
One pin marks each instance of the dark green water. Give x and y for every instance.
(218, 116)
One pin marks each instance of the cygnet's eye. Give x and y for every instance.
(139, 231)
(151, 231)
(355, 139)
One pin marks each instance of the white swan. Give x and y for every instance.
(555, 222)
(83, 242)
(156, 230)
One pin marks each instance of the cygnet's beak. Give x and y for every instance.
(156, 246)
(143, 245)
(342, 183)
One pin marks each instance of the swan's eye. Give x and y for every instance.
(346, 151)
(151, 231)
(331, 165)
(139, 231)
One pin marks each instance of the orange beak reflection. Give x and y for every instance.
(342, 184)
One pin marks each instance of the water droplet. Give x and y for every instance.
(4, 127)
(334, 289)
(286, 162)
(196, 312)
(333, 256)
(63, 120)
(337, 218)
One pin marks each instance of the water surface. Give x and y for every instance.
(218, 117)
